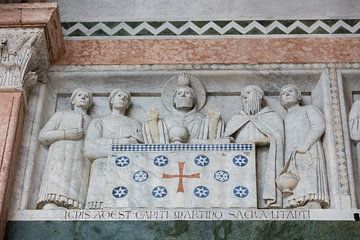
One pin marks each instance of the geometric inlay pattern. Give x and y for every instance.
(207, 28)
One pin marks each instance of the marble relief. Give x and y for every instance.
(113, 128)
(261, 125)
(65, 180)
(288, 147)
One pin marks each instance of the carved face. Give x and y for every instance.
(120, 101)
(82, 99)
(289, 96)
(184, 98)
(251, 100)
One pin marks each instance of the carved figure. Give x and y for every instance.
(114, 128)
(183, 96)
(304, 126)
(259, 124)
(66, 172)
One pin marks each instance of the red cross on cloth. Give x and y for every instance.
(181, 176)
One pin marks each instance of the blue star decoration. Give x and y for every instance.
(241, 191)
(240, 160)
(161, 161)
(122, 161)
(201, 191)
(159, 192)
(120, 192)
(221, 176)
(202, 160)
(140, 176)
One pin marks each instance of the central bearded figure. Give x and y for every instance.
(259, 124)
(183, 97)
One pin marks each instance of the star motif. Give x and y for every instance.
(201, 192)
(240, 160)
(241, 191)
(140, 176)
(161, 161)
(202, 160)
(221, 176)
(122, 161)
(120, 192)
(159, 192)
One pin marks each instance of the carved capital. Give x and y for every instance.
(23, 58)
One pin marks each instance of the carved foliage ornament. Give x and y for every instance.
(15, 54)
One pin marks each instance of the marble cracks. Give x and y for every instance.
(290, 162)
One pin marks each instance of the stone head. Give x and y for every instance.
(184, 96)
(252, 98)
(81, 98)
(119, 99)
(290, 95)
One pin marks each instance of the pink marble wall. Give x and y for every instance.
(11, 122)
(210, 51)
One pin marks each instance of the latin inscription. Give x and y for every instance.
(186, 214)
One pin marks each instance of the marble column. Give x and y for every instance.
(30, 40)
(11, 121)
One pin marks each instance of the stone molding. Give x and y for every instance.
(36, 15)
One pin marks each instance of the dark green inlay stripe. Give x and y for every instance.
(232, 31)
(77, 33)
(286, 23)
(189, 31)
(298, 31)
(276, 31)
(254, 31)
(243, 23)
(89, 25)
(133, 24)
(178, 24)
(144, 32)
(342, 30)
(211, 31)
(351, 22)
(329, 22)
(319, 30)
(68, 25)
(308, 22)
(122, 32)
(167, 32)
(99, 32)
(111, 24)
(222, 23)
(155, 24)
(265, 23)
(200, 23)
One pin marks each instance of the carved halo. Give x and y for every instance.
(167, 93)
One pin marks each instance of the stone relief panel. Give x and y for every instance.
(348, 81)
(66, 172)
(288, 125)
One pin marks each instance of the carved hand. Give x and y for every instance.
(214, 115)
(262, 141)
(303, 148)
(74, 134)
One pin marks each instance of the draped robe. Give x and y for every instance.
(66, 172)
(102, 132)
(264, 124)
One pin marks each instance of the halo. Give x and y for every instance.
(167, 93)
